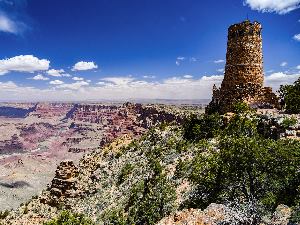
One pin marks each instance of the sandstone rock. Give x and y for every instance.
(281, 215)
(63, 185)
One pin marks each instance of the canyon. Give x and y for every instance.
(37, 137)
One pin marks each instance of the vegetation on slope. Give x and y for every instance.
(234, 160)
(67, 218)
(290, 95)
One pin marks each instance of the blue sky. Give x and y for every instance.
(121, 49)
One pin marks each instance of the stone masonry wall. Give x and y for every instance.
(243, 79)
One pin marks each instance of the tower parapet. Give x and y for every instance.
(243, 78)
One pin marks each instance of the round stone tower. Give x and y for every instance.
(244, 58)
(243, 78)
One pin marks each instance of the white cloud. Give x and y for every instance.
(77, 78)
(118, 81)
(220, 70)
(219, 61)
(56, 82)
(39, 77)
(277, 6)
(101, 83)
(297, 37)
(23, 63)
(214, 78)
(298, 67)
(179, 60)
(283, 64)
(58, 73)
(73, 86)
(188, 76)
(9, 26)
(128, 87)
(7, 85)
(274, 80)
(84, 66)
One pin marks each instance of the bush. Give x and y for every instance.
(125, 171)
(288, 122)
(115, 217)
(67, 218)
(295, 217)
(4, 214)
(149, 201)
(207, 126)
(249, 168)
(241, 125)
(241, 107)
(290, 96)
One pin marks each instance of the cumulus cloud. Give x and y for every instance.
(57, 73)
(219, 61)
(56, 82)
(220, 70)
(9, 85)
(84, 66)
(78, 78)
(276, 79)
(73, 86)
(23, 63)
(277, 6)
(297, 37)
(298, 67)
(129, 87)
(118, 81)
(283, 64)
(39, 77)
(7, 25)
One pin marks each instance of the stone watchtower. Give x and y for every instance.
(243, 79)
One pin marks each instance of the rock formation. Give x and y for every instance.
(216, 214)
(243, 79)
(64, 184)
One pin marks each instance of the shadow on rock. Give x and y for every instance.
(17, 184)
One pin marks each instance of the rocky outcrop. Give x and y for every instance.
(14, 145)
(50, 110)
(63, 185)
(216, 214)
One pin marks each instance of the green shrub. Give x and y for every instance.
(249, 168)
(241, 125)
(4, 214)
(207, 126)
(125, 172)
(67, 218)
(288, 122)
(115, 217)
(295, 217)
(241, 107)
(290, 95)
(149, 201)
